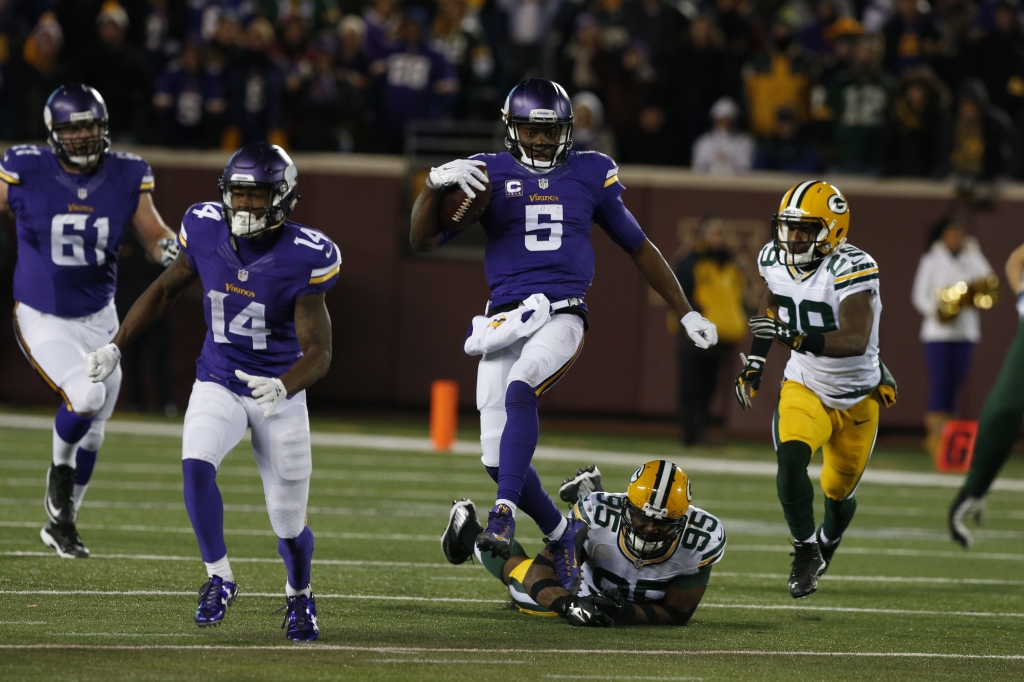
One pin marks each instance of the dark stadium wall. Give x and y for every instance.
(400, 320)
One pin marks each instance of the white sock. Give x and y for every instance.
(290, 591)
(63, 451)
(813, 538)
(510, 504)
(824, 539)
(77, 494)
(221, 567)
(555, 535)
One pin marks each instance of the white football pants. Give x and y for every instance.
(57, 346)
(215, 423)
(539, 360)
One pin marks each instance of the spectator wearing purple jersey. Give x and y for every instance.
(254, 84)
(382, 20)
(189, 101)
(415, 82)
(319, 103)
(461, 40)
(911, 38)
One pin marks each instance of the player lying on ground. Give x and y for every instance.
(72, 203)
(539, 264)
(823, 304)
(999, 423)
(646, 560)
(268, 339)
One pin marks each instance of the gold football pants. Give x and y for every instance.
(845, 437)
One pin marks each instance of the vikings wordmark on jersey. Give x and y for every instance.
(809, 301)
(70, 227)
(250, 307)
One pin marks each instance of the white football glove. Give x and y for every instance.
(465, 173)
(169, 249)
(265, 389)
(701, 330)
(102, 362)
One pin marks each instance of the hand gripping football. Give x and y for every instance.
(458, 211)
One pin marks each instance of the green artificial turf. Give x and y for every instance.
(391, 608)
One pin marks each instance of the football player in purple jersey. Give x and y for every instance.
(539, 262)
(72, 202)
(268, 339)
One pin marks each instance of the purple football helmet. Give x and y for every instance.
(259, 165)
(77, 108)
(540, 102)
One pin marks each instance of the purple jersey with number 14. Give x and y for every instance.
(250, 307)
(70, 227)
(538, 225)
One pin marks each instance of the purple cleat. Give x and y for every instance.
(497, 536)
(300, 619)
(214, 599)
(566, 552)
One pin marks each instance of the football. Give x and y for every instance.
(458, 211)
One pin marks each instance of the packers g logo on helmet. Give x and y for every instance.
(657, 501)
(818, 209)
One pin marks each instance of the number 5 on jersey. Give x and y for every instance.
(533, 223)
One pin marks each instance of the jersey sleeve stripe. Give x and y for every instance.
(10, 177)
(324, 278)
(714, 558)
(580, 512)
(612, 180)
(857, 280)
(715, 551)
(323, 274)
(861, 273)
(614, 172)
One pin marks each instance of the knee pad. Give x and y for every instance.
(291, 455)
(93, 439)
(286, 505)
(492, 423)
(86, 398)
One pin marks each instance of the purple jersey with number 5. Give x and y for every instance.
(538, 226)
(70, 227)
(250, 307)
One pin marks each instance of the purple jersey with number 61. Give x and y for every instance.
(70, 227)
(538, 225)
(250, 307)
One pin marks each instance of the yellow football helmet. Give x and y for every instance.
(817, 209)
(657, 501)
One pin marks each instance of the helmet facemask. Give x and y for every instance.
(800, 252)
(526, 152)
(254, 220)
(649, 533)
(81, 144)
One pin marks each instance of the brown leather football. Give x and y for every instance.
(457, 211)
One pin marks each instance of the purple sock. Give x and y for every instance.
(70, 427)
(205, 508)
(518, 440)
(297, 553)
(85, 462)
(534, 501)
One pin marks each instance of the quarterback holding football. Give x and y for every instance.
(73, 202)
(543, 201)
(646, 561)
(823, 304)
(268, 340)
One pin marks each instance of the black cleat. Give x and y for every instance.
(64, 539)
(807, 566)
(827, 550)
(60, 483)
(965, 507)
(585, 481)
(462, 514)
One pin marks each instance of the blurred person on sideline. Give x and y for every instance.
(254, 84)
(788, 149)
(918, 131)
(589, 132)
(999, 423)
(952, 257)
(982, 137)
(189, 101)
(715, 284)
(724, 150)
(118, 70)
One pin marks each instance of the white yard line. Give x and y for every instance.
(577, 455)
(925, 553)
(307, 649)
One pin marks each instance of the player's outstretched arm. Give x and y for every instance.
(148, 308)
(543, 585)
(153, 232)
(856, 318)
(313, 329)
(425, 234)
(676, 609)
(659, 276)
(468, 174)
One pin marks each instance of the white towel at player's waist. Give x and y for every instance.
(491, 333)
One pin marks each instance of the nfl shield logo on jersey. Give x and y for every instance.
(543, 182)
(82, 193)
(243, 275)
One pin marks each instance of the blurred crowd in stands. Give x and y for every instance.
(876, 87)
